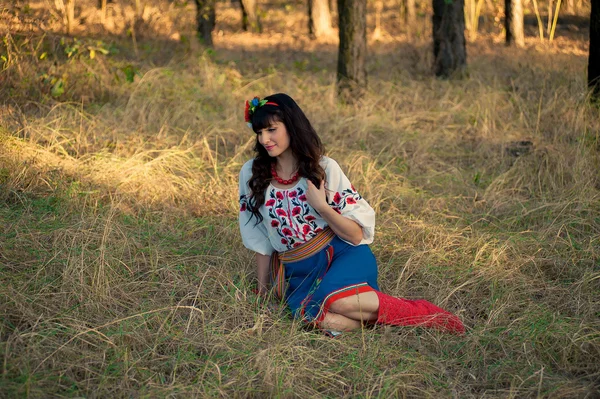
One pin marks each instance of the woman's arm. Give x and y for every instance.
(345, 228)
(262, 272)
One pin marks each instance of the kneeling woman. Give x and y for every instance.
(310, 229)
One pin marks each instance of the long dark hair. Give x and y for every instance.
(304, 143)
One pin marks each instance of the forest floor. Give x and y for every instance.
(122, 272)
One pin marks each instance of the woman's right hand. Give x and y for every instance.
(316, 197)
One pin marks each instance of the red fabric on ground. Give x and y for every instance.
(404, 312)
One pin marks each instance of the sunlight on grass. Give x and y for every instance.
(122, 269)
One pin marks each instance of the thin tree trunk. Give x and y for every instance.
(378, 10)
(449, 44)
(249, 11)
(244, 17)
(550, 14)
(102, 6)
(205, 20)
(319, 18)
(513, 23)
(70, 13)
(594, 57)
(411, 17)
(351, 73)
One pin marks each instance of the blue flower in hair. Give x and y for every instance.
(255, 101)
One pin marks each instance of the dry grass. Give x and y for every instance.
(122, 270)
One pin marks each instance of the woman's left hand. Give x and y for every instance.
(316, 197)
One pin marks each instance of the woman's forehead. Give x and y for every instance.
(272, 123)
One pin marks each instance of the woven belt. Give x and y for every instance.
(306, 250)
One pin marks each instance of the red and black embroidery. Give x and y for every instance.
(342, 199)
(290, 216)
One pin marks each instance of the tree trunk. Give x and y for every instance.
(250, 17)
(319, 18)
(378, 10)
(449, 45)
(513, 23)
(70, 14)
(550, 15)
(594, 57)
(244, 17)
(351, 73)
(411, 17)
(205, 20)
(102, 6)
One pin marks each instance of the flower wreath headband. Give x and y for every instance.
(252, 106)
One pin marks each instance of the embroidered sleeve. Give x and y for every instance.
(344, 199)
(254, 236)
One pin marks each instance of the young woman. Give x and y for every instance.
(310, 229)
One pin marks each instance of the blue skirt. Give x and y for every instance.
(320, 272)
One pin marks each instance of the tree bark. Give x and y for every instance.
(594, 56)
(244, 17)
(351, 73)
(550, 15)
(513, 23)
(319, 18)
(205, 20)
(411, 17)
(449, 44)
(250, 19)
(102, 7)
(70, 14)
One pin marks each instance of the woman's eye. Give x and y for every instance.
(272, 129)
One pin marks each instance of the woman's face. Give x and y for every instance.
(275, 139)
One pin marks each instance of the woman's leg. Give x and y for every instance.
(419, 312)
(361, 307)
(377, 306)
(338, 322)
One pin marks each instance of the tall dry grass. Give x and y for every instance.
(122, 268)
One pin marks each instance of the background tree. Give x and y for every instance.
(351, 73)
(319, 18)
(205, 20)
(594, 56)
(67, 9)
(250, 19)
(449, 45)
(513, 23)
(410, 16)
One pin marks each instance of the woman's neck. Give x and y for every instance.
(286, 164)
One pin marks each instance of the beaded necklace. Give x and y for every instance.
(279, 180)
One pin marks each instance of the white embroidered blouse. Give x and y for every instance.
(288, 219)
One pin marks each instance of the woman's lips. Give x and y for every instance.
(269, 148)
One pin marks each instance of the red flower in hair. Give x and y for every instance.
(247, 112)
